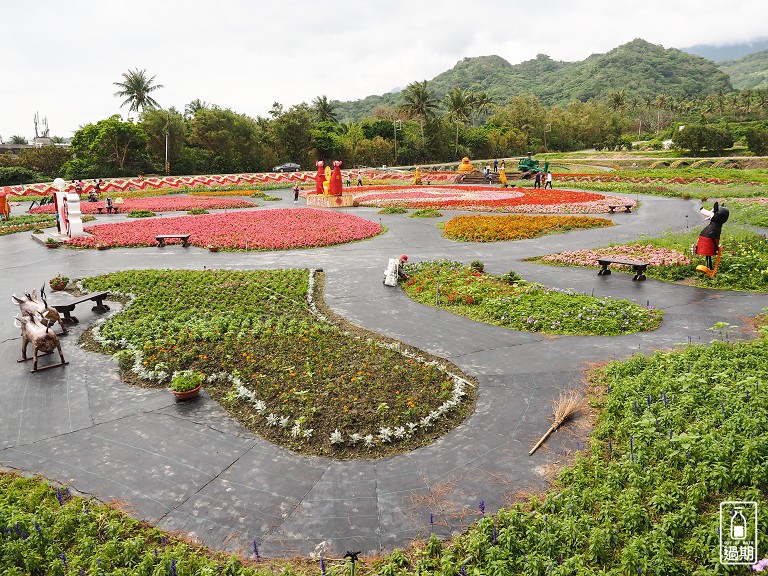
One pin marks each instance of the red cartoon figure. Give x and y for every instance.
(319, 178)
(336, 184)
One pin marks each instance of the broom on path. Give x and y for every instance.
(563, 408)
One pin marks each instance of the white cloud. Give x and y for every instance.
(62, 58)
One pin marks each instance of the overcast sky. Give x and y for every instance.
(61, 59)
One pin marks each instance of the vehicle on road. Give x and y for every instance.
(287, 167)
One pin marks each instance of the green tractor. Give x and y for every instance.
(529, 167)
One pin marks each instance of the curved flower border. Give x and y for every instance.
(384, 435)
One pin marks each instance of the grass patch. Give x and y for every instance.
(197, 211)
(140, 214)
(27, 222)
(393, 210)
(510, 302)
(425, 213)
(480, 228)
(750, 212)
(291, 376)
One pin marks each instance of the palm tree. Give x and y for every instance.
(135, 88)
(16, 139)
(419, 102)
(194, 107)
(324, 109)
(618, 100)
(480, 102)
(459, 106)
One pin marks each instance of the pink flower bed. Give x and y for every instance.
(278, 229)
(484, 199)
(158, 204)
(645, 252)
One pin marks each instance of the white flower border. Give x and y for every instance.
(294, 430)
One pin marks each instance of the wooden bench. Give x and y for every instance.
(627, 208)
(161, 238)
(69, 307)
(637, 266)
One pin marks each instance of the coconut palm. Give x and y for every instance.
(459, 107)
(480, 103)
(419, 103)
(194, 107)
(136, 88)
(324, 109)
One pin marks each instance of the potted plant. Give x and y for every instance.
(186, 384)
(58, 282)
(52, 242)
(213, 248)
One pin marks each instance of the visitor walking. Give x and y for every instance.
(496, 165)
(537, 180)
(548, 181)
(296, 194)
(359, 179)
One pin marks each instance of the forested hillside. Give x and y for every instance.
(643, 70)
(748, 72)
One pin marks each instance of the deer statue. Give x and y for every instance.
(36, 329)
(30, 305)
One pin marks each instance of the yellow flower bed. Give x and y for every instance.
(515, 227)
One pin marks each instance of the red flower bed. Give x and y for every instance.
(158, 204)
(483, 198)
(278, 229)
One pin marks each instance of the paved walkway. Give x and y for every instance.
(189, 467)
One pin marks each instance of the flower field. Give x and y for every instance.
(655, 256)
(277, 364)
(484, 199)
(279, 229)
(677, 433)
(158, 204)
(517, 305)
(518, 227)
(744, 264)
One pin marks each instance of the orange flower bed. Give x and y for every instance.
(515, 227)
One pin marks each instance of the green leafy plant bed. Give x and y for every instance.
(518, 305)
(47, 530)
(743, 266)
(197, 211)
(141, 214)
(425, 213)
(393, 210)
(278, 364)
(678, 433)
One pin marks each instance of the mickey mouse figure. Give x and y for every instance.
(708, 244)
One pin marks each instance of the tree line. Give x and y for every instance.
(205, 138)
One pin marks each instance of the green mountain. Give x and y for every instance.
(643, 70)
(751, 71)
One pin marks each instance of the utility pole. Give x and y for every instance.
(167, 130)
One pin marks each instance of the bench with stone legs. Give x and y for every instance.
(161, 238)
(627, 208)
(69, 307)
(637, 266)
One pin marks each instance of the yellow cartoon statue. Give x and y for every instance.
(503, 178)
(466, 166)
(327, 183)
(417, 175)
